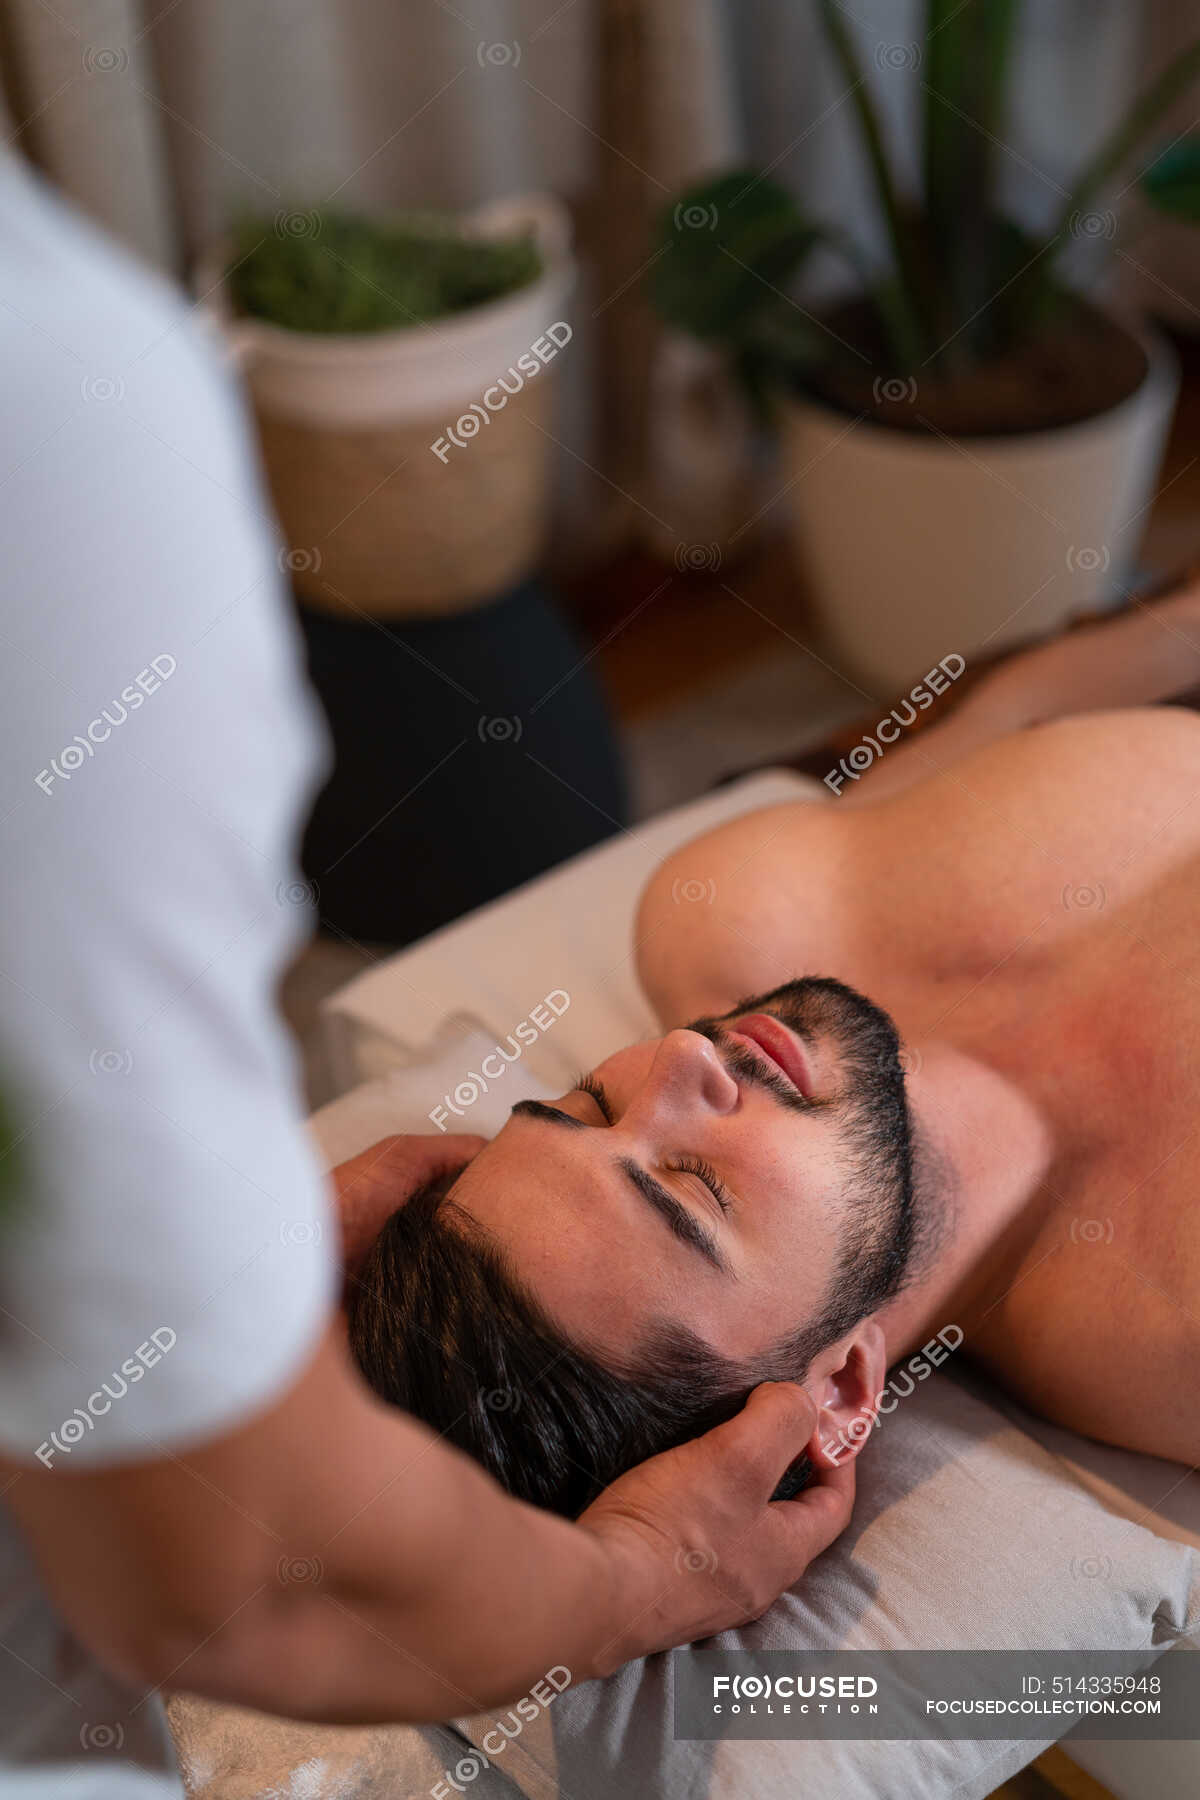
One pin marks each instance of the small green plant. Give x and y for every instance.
(336, 272)
(964, 284)
(14, 1172)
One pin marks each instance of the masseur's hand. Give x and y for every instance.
(370, 1187)
(697, 1545)
(425, 1591)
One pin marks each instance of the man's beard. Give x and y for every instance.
(870, 1106)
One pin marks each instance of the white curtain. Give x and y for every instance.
(81, 90)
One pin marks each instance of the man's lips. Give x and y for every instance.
(779, 1045)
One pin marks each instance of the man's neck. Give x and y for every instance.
(983, 1150)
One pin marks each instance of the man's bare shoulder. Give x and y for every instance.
(1132, 745)
(1110, 798)
(1025, 843)
(745, 906)
(964, 860)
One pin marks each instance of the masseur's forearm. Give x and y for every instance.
(444, 1597)
(332, 1560)
(1149, 653)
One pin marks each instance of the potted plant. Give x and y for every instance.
(398, 369)
(400, 372)
(967, 438)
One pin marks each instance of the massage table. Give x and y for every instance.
(975, 1525)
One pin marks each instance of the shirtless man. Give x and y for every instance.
(987, 1117)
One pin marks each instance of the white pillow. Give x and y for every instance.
(569, 931)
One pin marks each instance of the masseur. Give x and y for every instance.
(196, 1483)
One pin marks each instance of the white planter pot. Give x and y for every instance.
(406, 477)
(915, 546)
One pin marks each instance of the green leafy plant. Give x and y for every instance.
(14, 1172)
(964, 284)
(336, 272)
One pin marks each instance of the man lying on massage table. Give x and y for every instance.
(962, 1093)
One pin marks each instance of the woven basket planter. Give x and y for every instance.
(410, 469)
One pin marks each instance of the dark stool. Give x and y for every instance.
(473, 752)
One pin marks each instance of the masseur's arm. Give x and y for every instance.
(240, 1516)
(333, 1560)
(1149, 653)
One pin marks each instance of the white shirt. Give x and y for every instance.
(170, 1262)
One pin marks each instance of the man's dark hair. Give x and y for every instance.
(440, 1327)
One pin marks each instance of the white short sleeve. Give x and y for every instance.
(172, 1260)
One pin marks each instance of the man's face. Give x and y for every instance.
(718, 1177)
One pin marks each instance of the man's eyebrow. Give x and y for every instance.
(537, 1109)
(677, 1216)
(680, 1220)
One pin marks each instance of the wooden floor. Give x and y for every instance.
(1052, 1777)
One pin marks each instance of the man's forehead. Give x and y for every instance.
(528, 1155)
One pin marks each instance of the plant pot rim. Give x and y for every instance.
(542, 211)
(1162, 370)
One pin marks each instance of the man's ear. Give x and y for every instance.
(846, 1394)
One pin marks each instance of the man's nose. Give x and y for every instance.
(687, 1073)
